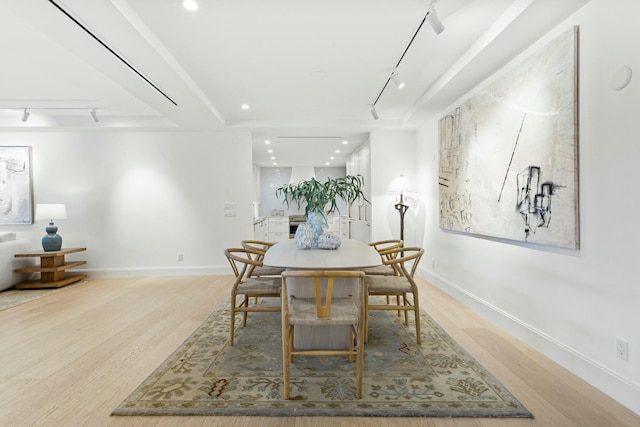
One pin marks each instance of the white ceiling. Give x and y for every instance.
(309, 69)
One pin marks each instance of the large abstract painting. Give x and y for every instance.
(508, 156)
(16, 197)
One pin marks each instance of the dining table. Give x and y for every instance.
(351, 255)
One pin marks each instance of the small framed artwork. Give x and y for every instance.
(16, 189)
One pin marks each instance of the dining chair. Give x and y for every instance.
(398, 286)
(385, 269)
(324, 309)
(258, 249)
(241, 259)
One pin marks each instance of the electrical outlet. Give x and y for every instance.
(622, 349)
(180, 256)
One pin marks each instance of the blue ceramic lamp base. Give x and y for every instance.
(52, 241)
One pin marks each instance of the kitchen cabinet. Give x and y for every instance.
(278, 228)
(359, 163)
(345, 228)
(333, 222)
(360, 213)
(260, 230)
(340, 226)
(361, 223)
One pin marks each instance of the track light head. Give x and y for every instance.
(433, 20)
(190, 5)
(94, 115)
(25, 115)
(396, 80)
(374, 113)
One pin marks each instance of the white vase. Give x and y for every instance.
(329, 241)
(318, 223)
(304, 236)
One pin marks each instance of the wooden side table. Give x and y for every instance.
(52, 269)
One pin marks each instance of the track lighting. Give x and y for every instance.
(433, 20)
(374, 113)
(26, 111)
(396, 80)
(190, 5)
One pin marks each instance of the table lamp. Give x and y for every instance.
(52, 241)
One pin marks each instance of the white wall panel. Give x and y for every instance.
(137, 199)
(569, 304)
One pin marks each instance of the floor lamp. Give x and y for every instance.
(400, 184)
(402, 208)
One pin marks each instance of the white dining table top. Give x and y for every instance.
(351, 254)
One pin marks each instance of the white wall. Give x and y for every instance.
(136, 199)
(393, 154)
(569, 304)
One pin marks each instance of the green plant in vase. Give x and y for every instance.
(319, 197)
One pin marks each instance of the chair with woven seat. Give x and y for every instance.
(241, 259)
(382, 246)
(385, 269)
(399, 286)
(259, 248)
(323, 310)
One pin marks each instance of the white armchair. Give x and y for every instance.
(9, 246)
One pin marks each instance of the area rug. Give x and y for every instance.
(206, 376)
(13, 297)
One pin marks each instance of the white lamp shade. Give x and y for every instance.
(400, 184)
(50, 211)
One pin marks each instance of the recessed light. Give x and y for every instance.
(269, 151)
(337, 151)
(331, 158)
(267, 142)
(345, 142)
(191, 5)
(275, 163)
(245, 106)
(327, 163)
(273, 158)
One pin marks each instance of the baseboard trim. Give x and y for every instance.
(110, 273)
(605, 379)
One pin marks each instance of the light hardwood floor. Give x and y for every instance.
(70, 358)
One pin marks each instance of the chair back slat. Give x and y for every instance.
(323, 309)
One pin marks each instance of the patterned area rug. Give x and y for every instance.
(12, 297)
(205, 376)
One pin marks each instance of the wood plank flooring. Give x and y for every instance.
(70, 358)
